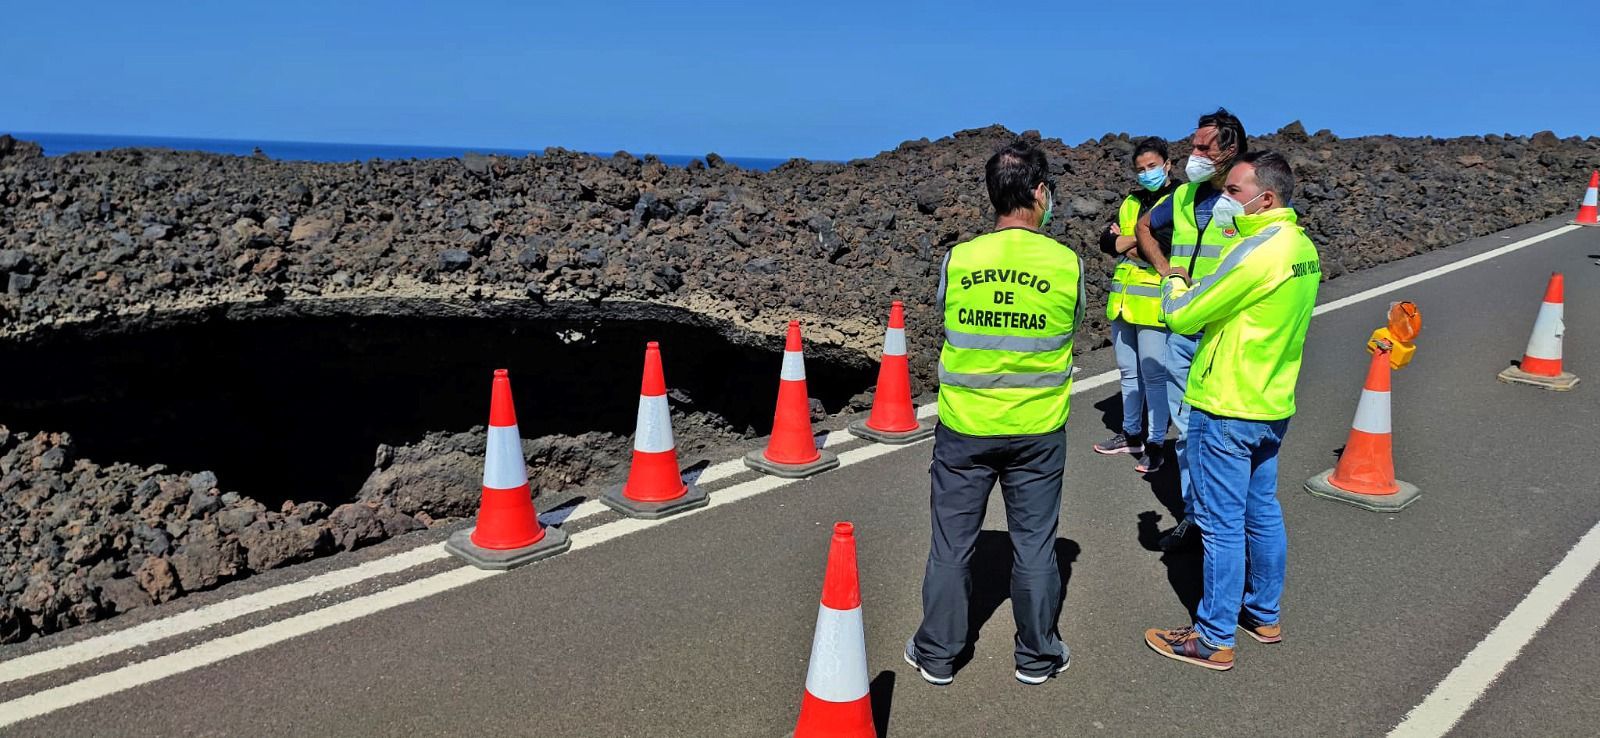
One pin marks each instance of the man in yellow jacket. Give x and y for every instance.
(1254, 309)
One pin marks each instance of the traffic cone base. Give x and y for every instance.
(924, 429)
(460, 544)
(692, 498)
(758, 461)
(1320, 486)
(1560, 382)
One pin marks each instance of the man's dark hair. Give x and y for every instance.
(1155, 144)
(1013, 173)
(1272, 173)
(1230, 132)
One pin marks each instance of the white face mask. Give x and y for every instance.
(1199, 168)
(1227, 208)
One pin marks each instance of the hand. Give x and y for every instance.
(1116, 229)
(1178, 271)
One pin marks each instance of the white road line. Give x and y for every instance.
(210, 652)
(626, 526)
(1437, 271)
(90, 649)
(1450, 700)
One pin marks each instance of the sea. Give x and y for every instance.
(56, 144)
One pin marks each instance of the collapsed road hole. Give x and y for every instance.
(287, 408)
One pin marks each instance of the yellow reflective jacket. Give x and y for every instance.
(1134, 294)
(1254, 308)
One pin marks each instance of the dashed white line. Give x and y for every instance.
(1450, 700)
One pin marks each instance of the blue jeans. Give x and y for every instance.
(1241, 524)
(1142, 363)
(1180, 354)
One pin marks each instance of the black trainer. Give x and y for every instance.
(1120, 443)
(1185, 535)
(1150, 461)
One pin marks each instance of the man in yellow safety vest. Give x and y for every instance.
(1011, 299)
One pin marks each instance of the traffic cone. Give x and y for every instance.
(792, 451)
(1589, 212)
(894, 418)
(1364, 476)
(838, 700)
(1541, 363)
(508, 533)
(655, 487)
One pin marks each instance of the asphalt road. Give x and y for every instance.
(702, 626)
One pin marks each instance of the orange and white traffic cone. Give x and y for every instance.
(507, 533)
(893, 418)
(1541, 362)
(1589, 211)
(792, 450)
(655, 487)
(838, 700)
(1364, 476)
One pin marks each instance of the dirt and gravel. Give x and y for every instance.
(128, 241)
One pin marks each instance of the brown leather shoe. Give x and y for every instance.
(1184, 644)
(1262, 632)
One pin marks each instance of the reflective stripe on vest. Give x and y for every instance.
(1142, 290)
(1026, 344)
(1003, 381)
(1206, 252)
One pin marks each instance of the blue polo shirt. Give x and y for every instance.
(1204, 201)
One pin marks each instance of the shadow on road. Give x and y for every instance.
(882, 691)
(1183, 565)
(1111, 412)
(991, 582)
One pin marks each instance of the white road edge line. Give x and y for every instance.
(1437, 271)
(1461, 688)
(91, 688)
(90, 649)
(211, 652)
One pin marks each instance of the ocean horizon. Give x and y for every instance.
(57, 144)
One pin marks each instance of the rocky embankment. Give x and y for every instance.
(119, 241)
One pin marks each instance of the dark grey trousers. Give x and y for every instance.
(965, 469)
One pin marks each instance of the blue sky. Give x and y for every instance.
(819, 78)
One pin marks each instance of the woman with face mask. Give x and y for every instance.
(1138, 333)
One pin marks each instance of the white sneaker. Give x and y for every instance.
(1037, 679)
(911, 658)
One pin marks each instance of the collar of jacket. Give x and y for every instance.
(1148, 198)
(1249, 225)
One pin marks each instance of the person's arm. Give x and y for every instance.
(1238, 283)
(1149, 246)
(1109, 238)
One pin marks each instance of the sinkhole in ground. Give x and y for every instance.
(294, 407)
